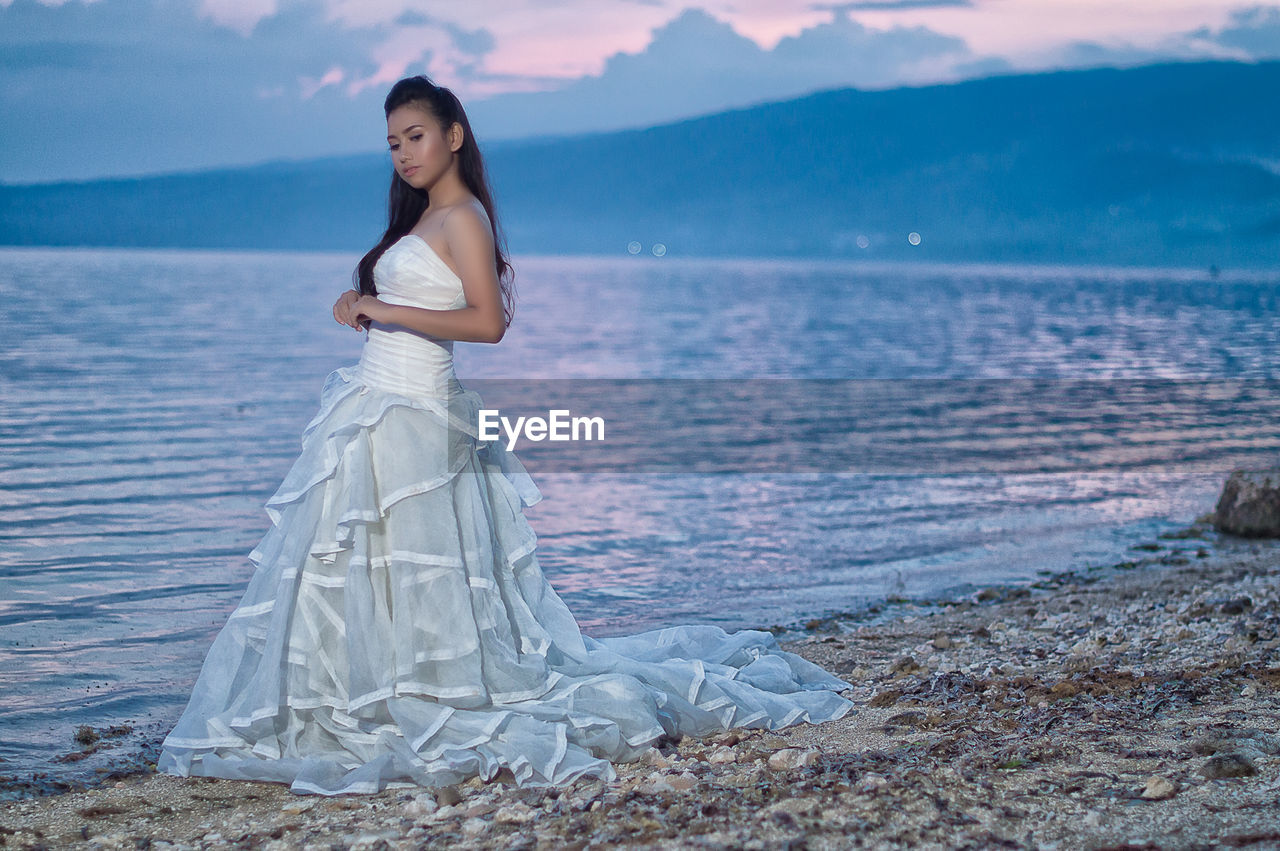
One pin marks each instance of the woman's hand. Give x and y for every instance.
(342, 309)
(367, 306)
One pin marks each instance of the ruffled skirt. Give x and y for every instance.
(398, 630)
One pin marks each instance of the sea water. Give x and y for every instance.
(791, 439)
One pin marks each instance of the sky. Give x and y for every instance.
(117, 88)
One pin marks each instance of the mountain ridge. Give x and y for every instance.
(1164, 164)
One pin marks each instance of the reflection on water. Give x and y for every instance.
(154, 399)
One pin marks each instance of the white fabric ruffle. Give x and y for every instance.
(398, 630)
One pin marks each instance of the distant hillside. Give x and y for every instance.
(1174, 164)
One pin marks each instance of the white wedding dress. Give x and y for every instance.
(398, 630)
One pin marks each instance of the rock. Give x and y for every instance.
(655, 784)
(683, 782)
(904, 665)
(1237, 606)
(445, 812)
(829, 624)
(789, 758)
(1086, 646)
(420, 807)
(475, 826)
(1158, 788)
(888, 697)
(447, 795)
(641, 825)
(1251, 744)
(589, 789)
(1266, 742)
(655, 758)
(1249, 505)
(796, 808)
(910, 718)
(1210, 744)
(1225, 765)
(871, 782)
(1063, 689)
(517, 813)
(722, 755)
(941, 641)
(344, 802)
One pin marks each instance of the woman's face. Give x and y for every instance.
(420, 152)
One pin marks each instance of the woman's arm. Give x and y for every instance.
(470, 241)
(465, 324)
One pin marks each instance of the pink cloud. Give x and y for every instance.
(309, 86)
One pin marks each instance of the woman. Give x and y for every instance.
(398, 630)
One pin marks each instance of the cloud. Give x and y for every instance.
(844, 52)
(174, 84)
(984, 66)
(331, 77)
(890, 5)
(443, 49)
(1254, 32)
(696, 63)
(240, 16)
(162, 85)
(147, 85)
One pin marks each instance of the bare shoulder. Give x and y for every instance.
(468, 222)
(470, 240)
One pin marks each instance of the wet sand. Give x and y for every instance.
(1132, 706)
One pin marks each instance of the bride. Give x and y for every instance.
(398, 630)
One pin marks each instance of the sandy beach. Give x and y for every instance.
(1128, 706)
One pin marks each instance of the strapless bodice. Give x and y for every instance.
(401, 359)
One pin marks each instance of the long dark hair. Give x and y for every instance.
(405, 203)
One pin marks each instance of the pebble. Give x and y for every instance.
(447, 811)
(1225, 765)
(517, 813)
(479, 809)
(789, 758)
(1158, 788)
(721, 755)
(683, 782)
(420, 807)
(474, 826)
(871, 782)
(1068, 765)
(655, 758)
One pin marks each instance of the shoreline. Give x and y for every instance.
(1133, 703)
